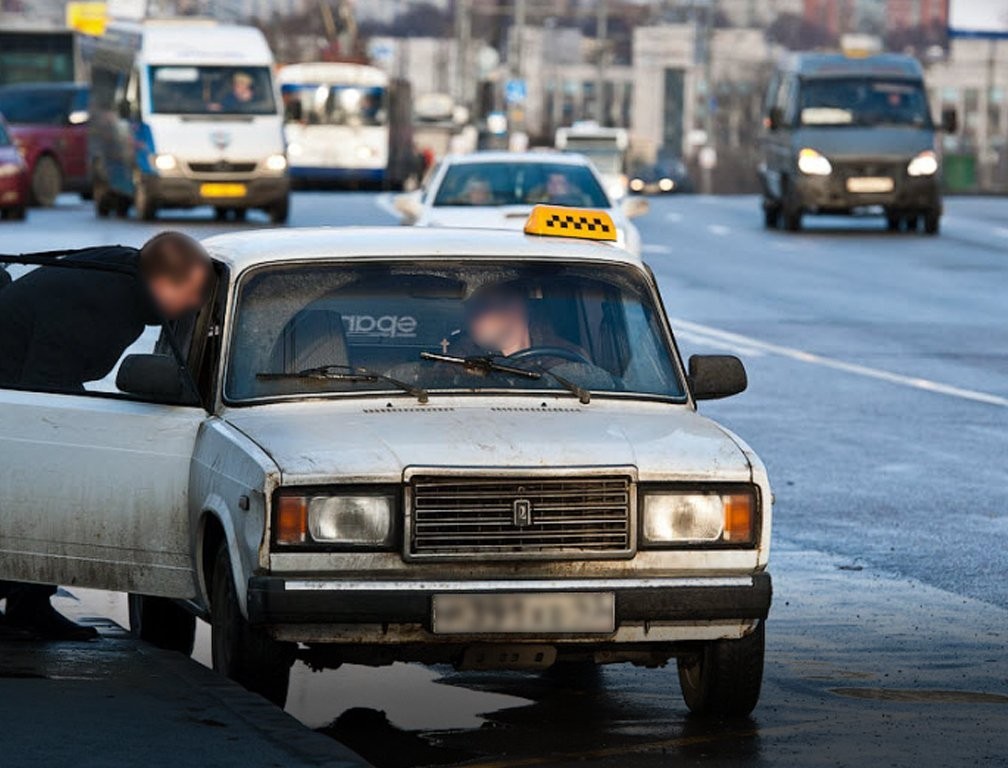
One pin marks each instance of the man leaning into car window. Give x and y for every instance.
(61, 327)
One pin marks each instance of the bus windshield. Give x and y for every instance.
(334, 104)
(192, 90)
(863, 101)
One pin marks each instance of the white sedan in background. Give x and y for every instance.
(497, 190)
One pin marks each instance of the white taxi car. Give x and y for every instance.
(428, 446)
(497, 190)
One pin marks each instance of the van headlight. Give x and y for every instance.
(165, 162)
(924, 164)
(276, 163)
(360, 519)
(698, 517)
(813, 163)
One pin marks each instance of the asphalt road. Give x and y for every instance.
(878, 398)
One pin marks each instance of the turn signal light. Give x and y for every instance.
(292, 520)
(738, 517)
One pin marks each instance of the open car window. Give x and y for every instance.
(333, 329)
(74, 328)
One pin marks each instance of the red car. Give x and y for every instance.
(13, 177)
(48, 122)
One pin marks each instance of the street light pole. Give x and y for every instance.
(602, 43)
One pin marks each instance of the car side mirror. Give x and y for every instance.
(154, 377)
(635, 206)
(774, 118)
(712, 377)
(408, 205)
(949, 120)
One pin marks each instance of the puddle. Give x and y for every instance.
(922, 696)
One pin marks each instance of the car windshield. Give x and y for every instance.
(529, 183)
(185, 90)
(333, 329)
(36, 106)
(863, 101)
(334, 105)
(4, 137)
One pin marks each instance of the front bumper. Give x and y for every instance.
(185, 192)
(318, 603)
(829, 194)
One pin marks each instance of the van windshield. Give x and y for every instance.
(191, 90)
(863, 101)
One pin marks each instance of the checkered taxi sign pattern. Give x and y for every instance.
(566, 222)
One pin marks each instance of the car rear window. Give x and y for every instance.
(499, 183)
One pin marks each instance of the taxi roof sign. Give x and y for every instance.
(577, 223)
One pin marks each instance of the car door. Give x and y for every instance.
(94, 481)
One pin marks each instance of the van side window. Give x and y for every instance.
(789, 99)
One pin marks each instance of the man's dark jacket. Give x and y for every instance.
(61, 327)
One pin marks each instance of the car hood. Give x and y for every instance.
(376, 440)
(853, 143)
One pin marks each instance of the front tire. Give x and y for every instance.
(279, 212)
(46, 182)
(162, 622)
(240, 651)
(724, 678)
(771, 214)
(932, 223)
(146, 208)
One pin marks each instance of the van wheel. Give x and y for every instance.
(724, 678)
(16, 213)
(240, 651)
(279, 212)
(162, 622)
(771, 214)
(102, 200)
(893, 221)
(46, 181)
(932, 223)
(146, 209)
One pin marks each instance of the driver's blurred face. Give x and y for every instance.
(241, 86)
(498, 321)
(477, 192)
(556, 184)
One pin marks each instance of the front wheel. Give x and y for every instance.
(724, 678)
(146, 208)
(279, 212)
(162, 622)
(771, 214)
(932, 222)
(240, 651)
(46, 181)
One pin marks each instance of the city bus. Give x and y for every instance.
(347, 125)
(605, 147)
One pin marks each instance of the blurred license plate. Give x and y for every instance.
(222, 190)
(552, 612)
(870, 184)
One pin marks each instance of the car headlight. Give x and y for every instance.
(276, 163)
(699, 517)
(814, 164)
(294, 149)
(925, 164)
(666, 185)
(637, 184)
(362, 519)
(365, 152)
(165, 162)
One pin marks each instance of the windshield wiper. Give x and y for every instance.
(484, 364)
(346, 373)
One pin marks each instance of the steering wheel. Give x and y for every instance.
(562, 352)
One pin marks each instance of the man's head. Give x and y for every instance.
(498, 321)
(241, 86)
(177, 270)
(477, 191)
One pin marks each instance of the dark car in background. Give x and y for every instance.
(659, 178)
(13, 178)
(48, 122)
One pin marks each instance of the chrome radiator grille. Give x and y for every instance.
(521, 517)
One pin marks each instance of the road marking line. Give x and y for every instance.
(709, 341)
(914, 382)
(718, 229)
(384, 201)
(673, 216)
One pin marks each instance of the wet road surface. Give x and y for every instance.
(878, 398)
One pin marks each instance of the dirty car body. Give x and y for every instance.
(361, 496)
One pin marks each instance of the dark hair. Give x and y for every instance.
(173, 255)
